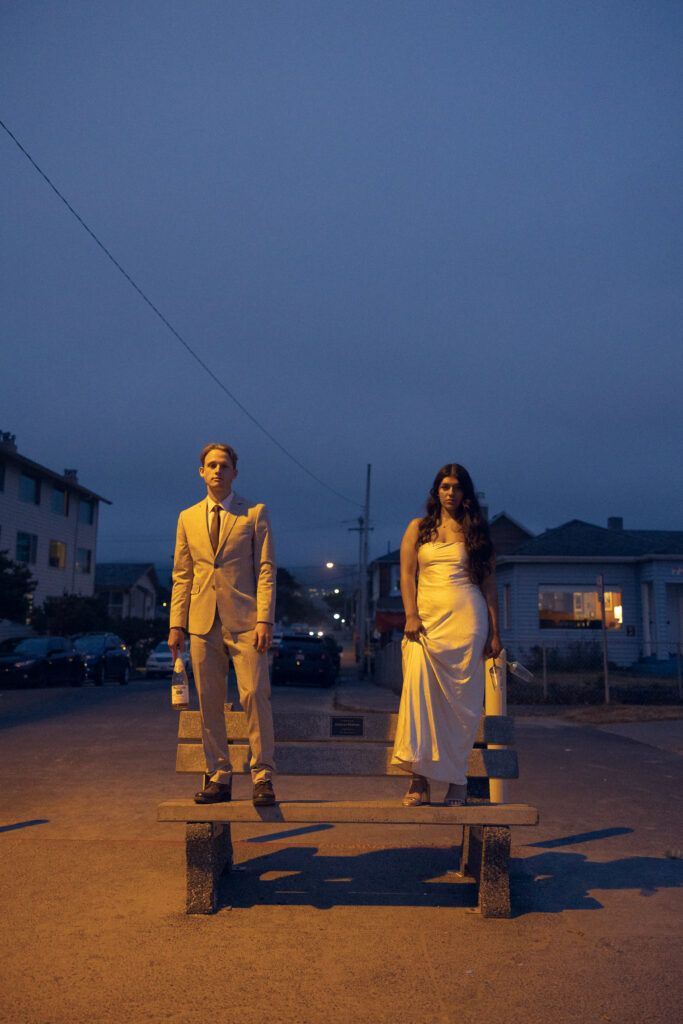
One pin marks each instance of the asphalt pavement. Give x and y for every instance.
(335, 924)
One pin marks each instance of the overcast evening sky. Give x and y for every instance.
(400, 233)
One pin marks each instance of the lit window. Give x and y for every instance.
(567, 607)
(57, 558)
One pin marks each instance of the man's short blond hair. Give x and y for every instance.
(230, 452)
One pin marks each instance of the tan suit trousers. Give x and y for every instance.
(211, 653)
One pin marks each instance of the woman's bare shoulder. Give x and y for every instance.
(412, 530)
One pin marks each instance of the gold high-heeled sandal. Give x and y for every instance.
(417, 796)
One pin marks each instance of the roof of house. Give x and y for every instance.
(579, 539)
(123, 574)
(501, 517)
(68, 479)
(391, 556)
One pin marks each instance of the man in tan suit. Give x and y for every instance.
(224, 597)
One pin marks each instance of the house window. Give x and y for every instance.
(29, 489)
(507, 606)
(566, 607)
(57, 557)
(85, 512)
(60, 501)
(27, 547)
(82, 560)
(116, 603)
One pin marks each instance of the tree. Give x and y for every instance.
(291, 604)
(71, 613)
(16, 586)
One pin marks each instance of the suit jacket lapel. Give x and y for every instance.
(230, 518)
(200, 527)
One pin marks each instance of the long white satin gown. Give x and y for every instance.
(443, 671)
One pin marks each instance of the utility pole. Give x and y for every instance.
(364, 579)
(363, 529)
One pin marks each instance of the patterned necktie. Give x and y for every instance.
(215, 529)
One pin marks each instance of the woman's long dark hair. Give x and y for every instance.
(469, 516)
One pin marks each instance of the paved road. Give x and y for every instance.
(340, 924)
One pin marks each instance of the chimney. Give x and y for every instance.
(8, 442)
(615, 523)
(483, 504)
(71, 475)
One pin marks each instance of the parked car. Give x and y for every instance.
(41, 661)
(105, 657)
(334, 649)
(160, 661)
(304, 659)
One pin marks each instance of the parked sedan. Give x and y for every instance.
(105, 657)
(160, 661)
(42, 661)
(304, 659)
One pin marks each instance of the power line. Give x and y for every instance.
(169, 325)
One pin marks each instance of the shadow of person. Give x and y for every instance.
(548, 883)
(322, 878)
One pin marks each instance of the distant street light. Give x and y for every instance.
(329, 565)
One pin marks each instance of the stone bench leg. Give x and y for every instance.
(208, 850)
(486, 856)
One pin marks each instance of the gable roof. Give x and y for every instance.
(391, 556)
(579, 539)
(123, 574)
(9, 453)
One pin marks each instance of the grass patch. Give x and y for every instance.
(587, 688)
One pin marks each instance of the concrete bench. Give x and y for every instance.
(327, 744)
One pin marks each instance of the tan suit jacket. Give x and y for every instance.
(238, 580)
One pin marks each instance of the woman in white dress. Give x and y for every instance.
(451, 626)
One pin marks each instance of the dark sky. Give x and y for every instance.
(400, 233)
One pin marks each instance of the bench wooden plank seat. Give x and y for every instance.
(379, 812)
(325, 744)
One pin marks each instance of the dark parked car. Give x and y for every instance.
(334, 650)
(305, 659)
(105, 656)
(41, 661)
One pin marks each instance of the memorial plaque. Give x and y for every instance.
(345, 725)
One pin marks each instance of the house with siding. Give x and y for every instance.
(130, 590)
(551, 591)
(48, 520)
(386, 606)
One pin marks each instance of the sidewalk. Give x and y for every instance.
(326, 925)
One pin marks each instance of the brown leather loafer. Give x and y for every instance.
(214, 793)
(264, 795)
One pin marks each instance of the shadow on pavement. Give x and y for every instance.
(581, 837)
(24, 824)
(395, 878)
(545, 883)
(550, 883)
